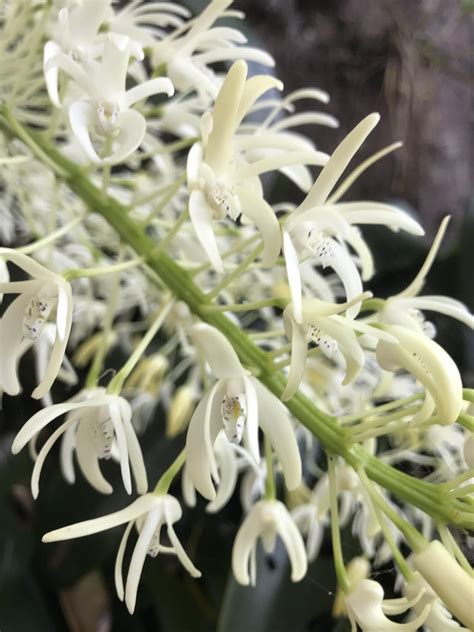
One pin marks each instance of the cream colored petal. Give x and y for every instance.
(201, 218)
(294, 277)
(147, 89)
(275, 423)
(346, 270)
(279, 160)
(298, 362)
(225, 116)
(236, 53)
(118, 573)
(418, 282)
(430, 364)
(261, 213)
(245, 542)
(43, 453)
(202, 432)
(253, 89)
(442, 305)
(29, 265)
(66, 457)
(362, 250)
(137, 508)
(42, 418)
(347, 344)
(375, 213)
(217, 350)
(339, 160)
(87, 458)
(51, 72)
(21, 287)
(154, 517)
(315, 308)
(228, 473)
(82, 117)
(119, 407)
(11, 335)
(135, 455)
(132, 130)
(288, 532)
(178, 548)
(251, 423)
(193, 165)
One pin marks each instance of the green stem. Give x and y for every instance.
(246, 307)
(341, 573)
(428, 497)
(270, 488)
(243, 265)
(80, 273)
(167, 477)
(117, 382)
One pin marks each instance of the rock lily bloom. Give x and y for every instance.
(45, 296)
(439, 618)
(332, 333)
(367, 608)
(430, 364)
(453, 585)
(188, 51)
(222, 182)
(405, 308)
(149, 513)
(316, 228)
(238, 404)
(95, 423)
(267, 519)
(105, 107)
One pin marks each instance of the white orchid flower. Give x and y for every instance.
(95, 423)
(149, 514)
(319, 228)
(45, 296)
(332, 333)
(468, 450)
(405, 308)
(77, 36)
(430, 364)
(453, 585)
(305, 518)
(237, 403)
(146, 23)
(267, 519)
(189, 50)
(366, 607)
(439, 618)
(228, 468)
(220, 179)
(105, 109)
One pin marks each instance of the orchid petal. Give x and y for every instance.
(298, 362)
(201, 217)
(87, 457)
(11, 336)
(147, 89)
(251, 424)
(261, 213)
(135, 455)
(217, 350)
(132, 130)
(51, 72)
(294, 278)
(137, 508)
(288, 532)
(82, 118)
(275, 423)
(253, 89)
(118, 574)
(119, 408)
(377, 213)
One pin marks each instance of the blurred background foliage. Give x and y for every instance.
(413, 63)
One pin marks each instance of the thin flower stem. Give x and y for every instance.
(270, 487)
(451, 545)
(377, 410)
(467, 421)
(164, 483)
(80, 273)
(166, 199)
(465, 476)
(414, 538)
(245, 307)
(396, 553)
(98, 362)
(243, 265)
(41, 243)
(168, 238)
(341, 573)
(241, 245)
(265, 335)
(117, 382)
(428, 497)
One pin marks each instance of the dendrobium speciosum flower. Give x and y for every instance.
(267, 519)
(149, 513)
(237, 403)
(222, 181)
(332, 333)
(44, 296)
(319, 225)
(366, 607)
(103, 112)
(96, 424)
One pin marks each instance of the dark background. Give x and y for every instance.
(411, 61)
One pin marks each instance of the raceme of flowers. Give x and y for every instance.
(166, 114)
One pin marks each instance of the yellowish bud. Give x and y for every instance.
(180, 410)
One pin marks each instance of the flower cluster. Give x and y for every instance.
(143, 225)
